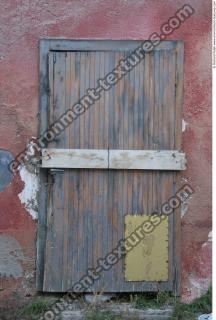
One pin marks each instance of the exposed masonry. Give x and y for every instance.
(5, 174)
(198, 286)
(11, 257)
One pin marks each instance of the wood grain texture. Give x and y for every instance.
(86, 207)
(43, 120)
(147, 159)
(75, 158)
(113, 159)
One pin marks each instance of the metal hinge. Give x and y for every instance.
(54, 57)
(54, 171)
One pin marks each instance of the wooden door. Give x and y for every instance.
(83, 217)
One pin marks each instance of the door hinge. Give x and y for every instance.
(54, 171)
(54, 57)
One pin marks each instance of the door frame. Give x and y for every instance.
(55, 44)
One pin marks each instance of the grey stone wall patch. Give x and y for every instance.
(6, 175)
(11, 257)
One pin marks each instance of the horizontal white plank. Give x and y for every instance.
(114, 159)
(147, 159)
(75, 158)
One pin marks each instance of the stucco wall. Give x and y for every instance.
(23, 23)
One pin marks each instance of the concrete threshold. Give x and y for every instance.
(125, 310)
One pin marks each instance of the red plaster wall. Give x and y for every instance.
(23, 23)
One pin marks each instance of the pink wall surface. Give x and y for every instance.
(22, 24)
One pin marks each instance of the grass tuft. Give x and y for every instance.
(98, 315)
(35, 308)
(190, 311)
(162, 299)
(182, 311)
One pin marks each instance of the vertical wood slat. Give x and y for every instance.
(179, 72)
(66, 247)
(48, 209)
(98, 201)
(43, 123)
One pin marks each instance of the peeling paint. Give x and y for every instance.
(184, 208)
(28, 196)
(184, 180)
(210, 236)
(184, 125)
(28, 282)
(198, 286)
(11, 257)
(184, 204)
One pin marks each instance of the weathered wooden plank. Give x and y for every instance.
(179, 96)
(74, 176)
(114, 159)
(66, 229)
(147, 159)
(57, 218)
(179, 79)
(43, 115)
(103, 45)
(75, 158)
